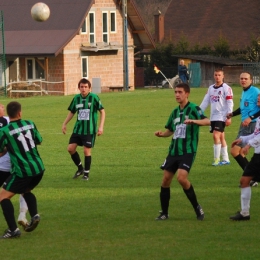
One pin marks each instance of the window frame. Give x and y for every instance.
(107, 26)
(112, 12)
(86, 61)
(92, 33)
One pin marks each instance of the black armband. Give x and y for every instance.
(256, 115)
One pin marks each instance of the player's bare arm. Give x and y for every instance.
(102, 122)
(166, 133)
(68, 118)
(201, 122)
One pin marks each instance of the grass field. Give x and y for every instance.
(111, 216)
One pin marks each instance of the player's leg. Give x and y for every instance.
(88, 143)
(87, 154)
(238, 156)
(248, 174)
(165, 195)
(31, 201)
(23, 209)
(72, 149)
(216, 147)
(8, 212)
(224, 150)
(182, 177)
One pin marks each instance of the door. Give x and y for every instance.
(195, 74)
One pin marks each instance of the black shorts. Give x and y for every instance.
(3, 177)
(173, 163)
(253, 167)
(217, 126)
(86, 140)
(19, 185)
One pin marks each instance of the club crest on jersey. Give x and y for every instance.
(89, 104)
(246, 104)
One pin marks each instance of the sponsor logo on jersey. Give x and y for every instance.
(214, 99)
(79, 106)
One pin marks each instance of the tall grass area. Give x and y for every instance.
(112, 216)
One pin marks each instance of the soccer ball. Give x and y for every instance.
(40, 12)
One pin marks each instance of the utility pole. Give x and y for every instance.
(125, 46)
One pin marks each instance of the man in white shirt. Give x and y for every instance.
(220, 98)
(252, 169)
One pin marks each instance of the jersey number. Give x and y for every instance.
(23, 139)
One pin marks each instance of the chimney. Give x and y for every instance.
(159, 28)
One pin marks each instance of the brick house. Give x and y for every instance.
(82, 38)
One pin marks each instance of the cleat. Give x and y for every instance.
(216, 163)
(224, 163)
(22, 221)
(199, 213)
(77, 174)
(32, 224)
(11, 234)
(253, 183)
(162, 216)
(85, 177)
(239, 217)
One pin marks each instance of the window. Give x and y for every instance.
(92, 27)
(112, 22)
(105, 26)
(84, 67)
(84, 27)
(34, 69)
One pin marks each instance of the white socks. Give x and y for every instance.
(23, 205)
(224, 154)
(245, 201)
(217, 148)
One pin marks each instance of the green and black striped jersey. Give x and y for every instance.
(185, 138)
(86, 108)
(21, 138)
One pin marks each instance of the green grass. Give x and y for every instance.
(112, 215)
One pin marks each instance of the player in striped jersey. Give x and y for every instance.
(86, 105)
(5, 168)
(183, 124)
(20, 139)
(220, 98)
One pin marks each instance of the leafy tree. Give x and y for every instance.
(221, 46)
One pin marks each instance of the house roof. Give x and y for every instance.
(212, 59)
(203, 21)
(26, 37)
(142, 37)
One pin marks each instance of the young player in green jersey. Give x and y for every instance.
(183, 124)
(20, 139)
(86, 105)
(5, 168)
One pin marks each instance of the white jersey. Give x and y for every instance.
(5, 163)
(220, 100)
(253, 139)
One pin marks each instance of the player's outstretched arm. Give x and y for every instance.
(166, 133)
(201, 122)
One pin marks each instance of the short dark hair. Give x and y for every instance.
(185, 86)
(249, 73)
(219, 70)
(13, 108)
(84, 81)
